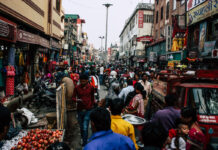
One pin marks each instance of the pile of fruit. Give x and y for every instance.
(38, 139)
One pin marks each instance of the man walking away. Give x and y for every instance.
(168, 116)
(84, 96)
(101, 74)
(125, 91)
(103, 137)
(119, 125)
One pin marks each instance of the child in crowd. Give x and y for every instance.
(178, 142)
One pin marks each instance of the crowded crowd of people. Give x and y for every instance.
(171, 128)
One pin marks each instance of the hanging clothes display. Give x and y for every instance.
(175, 46)
(1, 69)
(21, 59)
(11, 56)
(10, 73)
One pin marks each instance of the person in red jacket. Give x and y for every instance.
(84, 96)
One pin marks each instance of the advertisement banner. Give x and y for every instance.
(140, 19)
(208, 47)
(202, 36)
(193, 3)
(203, 11)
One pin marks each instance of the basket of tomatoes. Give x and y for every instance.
(39, 139)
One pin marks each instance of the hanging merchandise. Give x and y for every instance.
(1, 68)
(10, 73)
(175, 46)
(180, 41)
(21, 59)
(11, 56)
(45, 59)
(185, 40)
(26, 78)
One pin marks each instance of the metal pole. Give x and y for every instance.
(106, 29)
(107, 6)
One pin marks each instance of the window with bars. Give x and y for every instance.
(168, 10)
(148, 18)
(157, 17)
(161, 13)
(58, 5)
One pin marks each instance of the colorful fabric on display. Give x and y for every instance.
(21, 59)
(1, 75)
(10, 80)
(11, 56)
(26, 78)
(175, 46)
(45, 59)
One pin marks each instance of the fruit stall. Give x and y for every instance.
(35, 139)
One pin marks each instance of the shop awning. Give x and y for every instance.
(144, 39)
(141, 60)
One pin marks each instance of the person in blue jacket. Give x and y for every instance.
(103, 138)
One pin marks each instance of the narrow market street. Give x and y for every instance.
(109, 75)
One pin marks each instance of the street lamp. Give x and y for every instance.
(101, 37)
(107, 6)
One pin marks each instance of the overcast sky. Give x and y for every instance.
(94, 14)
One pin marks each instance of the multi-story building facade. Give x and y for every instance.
(136, 32)
(31, 28)
(169, 20)
(114, 53)
(74, 36)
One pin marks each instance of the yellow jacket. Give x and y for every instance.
(119, 125)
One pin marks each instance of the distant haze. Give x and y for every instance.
(94, 14)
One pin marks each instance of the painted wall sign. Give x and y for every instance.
(193, 3)
(141, 19)
(203, 11)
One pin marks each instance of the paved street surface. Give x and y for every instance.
(72, 138)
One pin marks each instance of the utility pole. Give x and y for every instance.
(107, 6)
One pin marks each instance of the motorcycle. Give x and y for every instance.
(44, 94)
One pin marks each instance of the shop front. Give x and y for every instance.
(154, 52)
(203, 31)
(8, 32)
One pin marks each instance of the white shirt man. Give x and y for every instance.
(125, 91)
(101, 70)
(131, 74)
(146, 84)
(113, 74)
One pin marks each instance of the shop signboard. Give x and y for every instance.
(193, 3)
(55, 44)
(43, 42)
(153, 57)
(208, 47)
(202, 36)
(144, 39)
(7, 30)
(202, 11)
(140, 19)
(26, 37)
